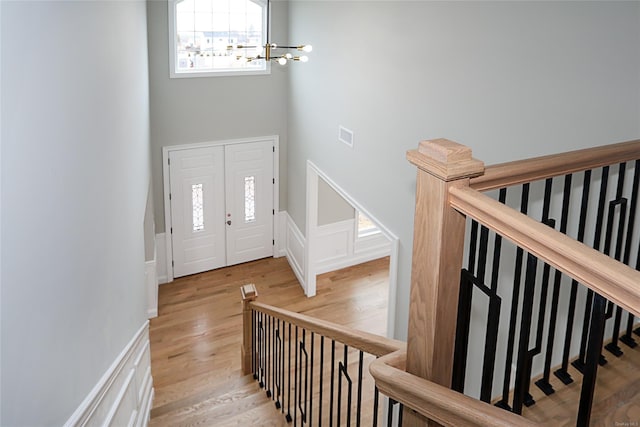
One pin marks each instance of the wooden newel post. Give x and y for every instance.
(249, 293)
(437, 260)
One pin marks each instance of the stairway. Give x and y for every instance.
(196, 339)
(238, 402)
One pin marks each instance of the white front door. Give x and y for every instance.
(221, 202)
(197, 210)
(249, 194)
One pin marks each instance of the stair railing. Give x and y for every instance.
(445, 196)
(315, 371)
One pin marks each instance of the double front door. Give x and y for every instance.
(221, 201)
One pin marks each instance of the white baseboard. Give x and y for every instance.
(161, 260)
(124, 394)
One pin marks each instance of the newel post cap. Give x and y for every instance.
(445, 159)
(249, 292)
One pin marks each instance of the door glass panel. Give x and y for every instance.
(198, 207)
(249, 199)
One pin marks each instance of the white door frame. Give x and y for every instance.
(313, 173)
(275, 139)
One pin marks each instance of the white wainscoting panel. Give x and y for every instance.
(161, 258)
(124, 394)
(334, 245)
(295, 249)
(337, 246)
(151, 279)
(281, 241)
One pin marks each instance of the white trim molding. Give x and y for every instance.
(312, 228)
(124, 394)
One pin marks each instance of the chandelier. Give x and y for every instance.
(272, 51)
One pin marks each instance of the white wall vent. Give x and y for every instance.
(345, 135)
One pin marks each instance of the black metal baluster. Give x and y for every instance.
(544, 288)
(544, 383)
(594, 348)
(339, 408)
(620, 201)
(311, 382)
(491, 340)
(515, 298)
(563, 373)
(269, 357)
(278, 364)
(254, 333)
(473, 241)
(321, 381)
(482, 255)
(283, 384)
(523, 372)
(274, 354)
(462, 332)
(628, 338)
(288, 417)
(497, 249)
(580, 362)
(464, 313)
(262, 350)
(295, 383)
(302, 401)
(359, 402)
(493, 318)
(342, 368)
(390, 412)
(376, 397)
(333, 364)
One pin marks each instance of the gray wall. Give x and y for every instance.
(332, 207)
(75, 175)
(188, 110)
(509, 79)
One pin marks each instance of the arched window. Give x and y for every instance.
(204, 34)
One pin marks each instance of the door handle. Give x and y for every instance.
(229, 222)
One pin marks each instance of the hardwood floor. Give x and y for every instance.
(616, 400)
(195, 340)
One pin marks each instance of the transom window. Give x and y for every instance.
(206, 34)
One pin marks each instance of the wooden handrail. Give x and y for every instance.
(529, 170)
(435, 402)
(601, 273)
(429, 399)
(369, 343)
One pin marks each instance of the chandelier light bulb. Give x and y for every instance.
(304, 58)
(307, 48)
(282, 60)
(288, 56)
